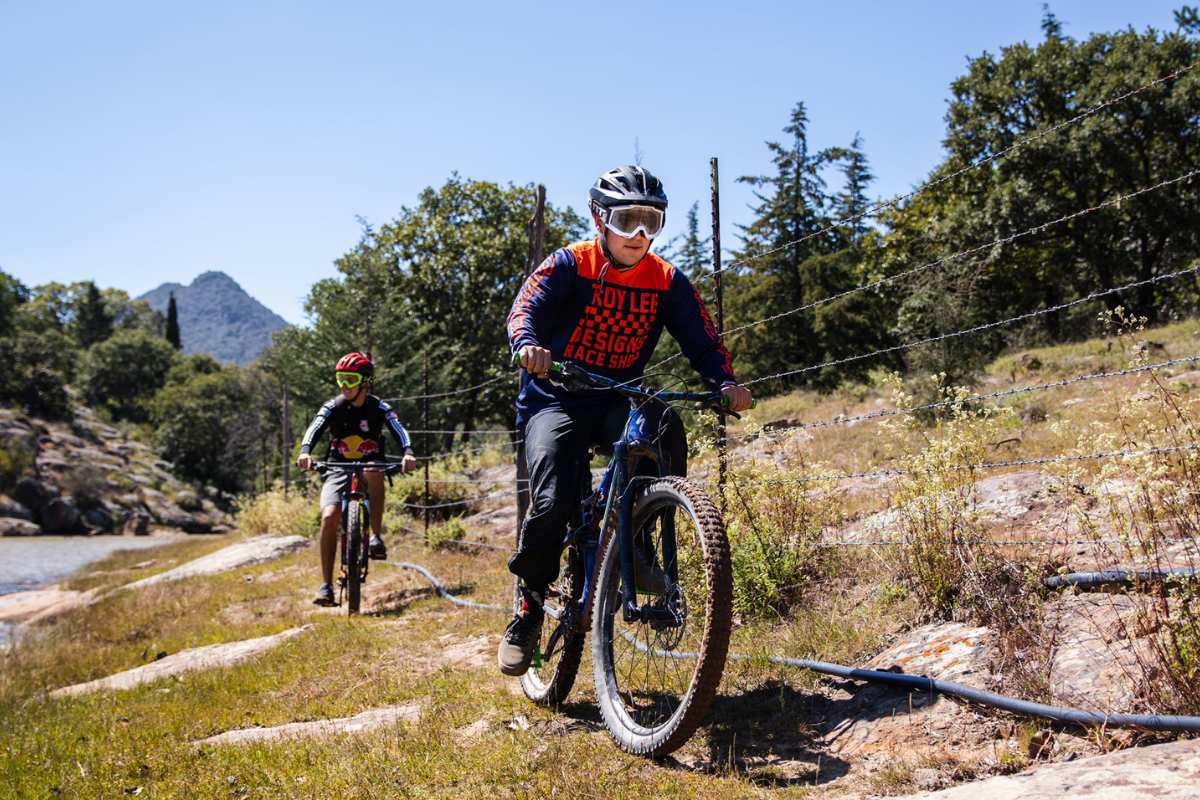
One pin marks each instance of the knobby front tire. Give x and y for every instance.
(354, 549)
(656, 685)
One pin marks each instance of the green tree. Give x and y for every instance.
(12, 295)
(1136, 143)
(186, 367)
(851, 204)
(34, 377)
(123, 373)
(130, 314)
(436, 282)
(787, 262)
(208, 426)
(173, 324)
(692, 253)
(90, 320)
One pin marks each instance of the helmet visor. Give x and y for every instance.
(348, 380)
(628, 220)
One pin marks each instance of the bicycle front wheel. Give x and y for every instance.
(656, 676)
(354, 550)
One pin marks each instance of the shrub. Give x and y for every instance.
(271, 512)
(447, 534)
(14, 461)
(774, 532)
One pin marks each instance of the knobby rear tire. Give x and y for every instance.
(658, 739)
(354, 548)
(550, 684)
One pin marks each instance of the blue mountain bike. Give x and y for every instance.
(646, 569)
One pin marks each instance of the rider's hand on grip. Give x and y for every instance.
(304, 461)
(736, 398)
(535, 360)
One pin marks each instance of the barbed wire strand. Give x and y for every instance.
(975, 398)
(450, 393)
(998, 155)
(1116, 201)
(974, 467)
(466, 501)
(888, 279)
(495, 432)
(837, 362)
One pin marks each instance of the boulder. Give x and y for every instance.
(209, 657)
(188, 500)
(33, 494)
(61, 516)
(171, 515)
(11, 508)
(257, 550)
(136, 523)
(12, 526)
(99, 519)
(1163, 771)
(198, 523)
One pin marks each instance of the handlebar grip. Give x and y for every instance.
(555, 366)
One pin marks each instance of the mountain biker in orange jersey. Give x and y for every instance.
(601, 303)
(355, 420)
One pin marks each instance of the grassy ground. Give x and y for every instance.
(139, 741)
(414, 648)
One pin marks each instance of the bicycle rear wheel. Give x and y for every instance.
(354, 550)
(656, 679)
(560, 640)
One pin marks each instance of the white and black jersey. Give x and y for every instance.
(355, 432)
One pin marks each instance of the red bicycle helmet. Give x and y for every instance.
(356, 362)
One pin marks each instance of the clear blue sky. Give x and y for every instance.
(149, 142)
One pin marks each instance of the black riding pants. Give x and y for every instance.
(556, 442)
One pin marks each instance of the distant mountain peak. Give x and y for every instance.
(218, 317)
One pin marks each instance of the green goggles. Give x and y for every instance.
(348, 380)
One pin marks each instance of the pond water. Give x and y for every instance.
(29, 562)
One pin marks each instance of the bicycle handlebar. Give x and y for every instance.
(714, 400)
(387, 466)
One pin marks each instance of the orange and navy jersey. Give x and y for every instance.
(583, 310)
(355, 432)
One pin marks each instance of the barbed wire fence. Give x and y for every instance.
(981, 400)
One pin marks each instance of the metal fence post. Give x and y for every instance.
(425, 436)
(722, 442)
(537, 251)
(285, 436)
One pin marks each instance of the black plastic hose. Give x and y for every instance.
(920, 683)
(1120, 577)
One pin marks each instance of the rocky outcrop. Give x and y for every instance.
(359, 723)
(87, 477)
(1164, 771)
(243, 554)
(210, 657)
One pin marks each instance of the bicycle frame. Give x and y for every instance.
(635, 445)
(354, 492)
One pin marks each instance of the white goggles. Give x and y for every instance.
(627, 221)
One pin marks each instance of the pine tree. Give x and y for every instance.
(91, 322)
(788, 231)
(851, 203)
(690, 251)
(173, 324)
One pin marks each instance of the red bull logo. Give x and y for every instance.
(355, 448)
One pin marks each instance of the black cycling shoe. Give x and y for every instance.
(325, 596)
(520, 637)
(377, 549)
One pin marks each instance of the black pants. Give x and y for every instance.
(555, 447)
